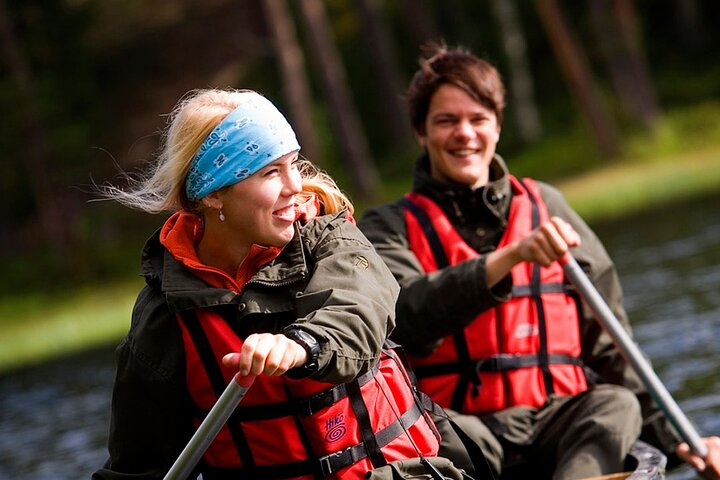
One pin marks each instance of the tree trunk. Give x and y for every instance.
(521, 83)
(691, 30)
(353, 144)
(291, 64)
(574, 67)
(50, 217)
(383, 58)
(616, 26)
(420, 21)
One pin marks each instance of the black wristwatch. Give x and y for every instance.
(312, 348)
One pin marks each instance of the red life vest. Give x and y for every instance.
(521, 351)
(303, 429)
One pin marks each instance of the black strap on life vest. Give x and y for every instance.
(300, 407)
(498, 363)
(527, 290)
(207, 357)
(304, 438)
(473, 449)
(465, 364)
(505, 362)
(326, 465)
(429, 230)
(362, 415)
(535, 294)
(370, 447)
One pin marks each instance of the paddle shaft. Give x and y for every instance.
(207, 431)
(633, 355)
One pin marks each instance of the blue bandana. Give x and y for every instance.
(249, 138)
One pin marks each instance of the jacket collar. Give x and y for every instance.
(183, 290)
(495, 195)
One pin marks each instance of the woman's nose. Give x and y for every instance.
(293, 182)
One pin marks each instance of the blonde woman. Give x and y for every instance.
(259, 270)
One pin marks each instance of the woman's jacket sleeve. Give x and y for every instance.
(150, 389)
(348, 303)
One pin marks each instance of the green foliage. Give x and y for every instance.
(106, 246)
(562, 153)
(681, 130)
(679, 158)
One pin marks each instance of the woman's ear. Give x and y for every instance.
(212, 200)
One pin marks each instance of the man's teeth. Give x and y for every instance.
(464, 152)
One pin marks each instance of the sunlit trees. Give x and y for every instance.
(345, 121)
(295, 85)
(576, 70)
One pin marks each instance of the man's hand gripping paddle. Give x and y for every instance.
(632, 354)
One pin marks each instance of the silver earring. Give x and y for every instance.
(221, 215)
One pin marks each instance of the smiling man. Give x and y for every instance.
(493, 331)
(460, 136)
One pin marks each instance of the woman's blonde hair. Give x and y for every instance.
(162, 187)
(318, 183)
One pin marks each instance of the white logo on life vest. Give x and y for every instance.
(525, 330)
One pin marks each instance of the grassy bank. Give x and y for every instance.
(626, 188)
(681, 161)
(38, 327)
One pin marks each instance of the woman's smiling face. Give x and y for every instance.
(261, 208)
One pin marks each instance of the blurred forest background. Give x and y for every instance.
(85, 86)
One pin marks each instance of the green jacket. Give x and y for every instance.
(328, 281)
(479, 216)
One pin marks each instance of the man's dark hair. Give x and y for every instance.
(455, 66)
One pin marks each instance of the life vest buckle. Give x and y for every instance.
(336, 461)
(328, 463)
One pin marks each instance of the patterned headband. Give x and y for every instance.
(249, 138)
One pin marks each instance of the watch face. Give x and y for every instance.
(308, 342)
(312, 347)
